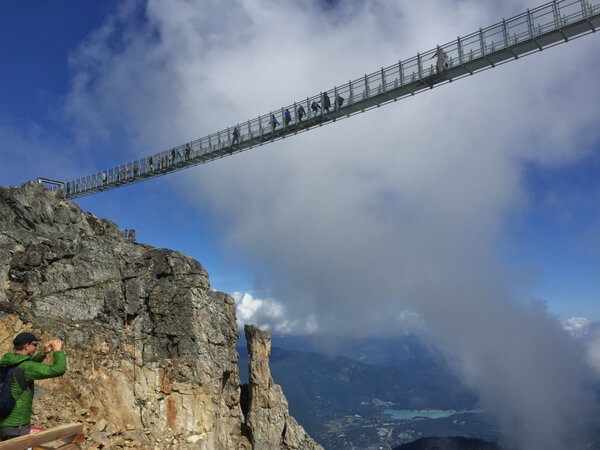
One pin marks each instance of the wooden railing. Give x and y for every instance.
(70, 436)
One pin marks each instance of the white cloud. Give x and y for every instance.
(577, 326)
(593, 349)
(586, 333)
(270, 314)
(410, 322)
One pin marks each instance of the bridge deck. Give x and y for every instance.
(532, 31)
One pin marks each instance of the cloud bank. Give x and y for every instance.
(269, 314)
(403, 208)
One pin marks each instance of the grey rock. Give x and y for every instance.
(267, 416)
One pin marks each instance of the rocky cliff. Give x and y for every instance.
(151, 350)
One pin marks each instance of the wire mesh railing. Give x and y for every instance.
(402, 78)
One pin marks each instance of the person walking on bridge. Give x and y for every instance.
(30, 368)
(440, 55)
(288, 117)
(326, 101)
(315, 107)
(235, 136)
(301, 113)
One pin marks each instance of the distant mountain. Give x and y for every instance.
(384, 351)
(449, 443)
(320, 388)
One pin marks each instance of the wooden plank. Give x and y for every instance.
(69, 446)
(31, 440)
(60, 445)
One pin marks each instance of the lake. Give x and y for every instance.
(409, 414)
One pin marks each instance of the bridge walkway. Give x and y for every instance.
(534, 30)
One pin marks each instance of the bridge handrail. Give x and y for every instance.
(529, 25)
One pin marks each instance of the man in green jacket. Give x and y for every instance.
(30, 360)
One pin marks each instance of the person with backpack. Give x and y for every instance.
(18, 370)
(439, 54)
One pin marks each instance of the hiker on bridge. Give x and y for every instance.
(25, 363)
(441, 56)
(236, 136)
(301, 113)
(315, 107)
(326, 101)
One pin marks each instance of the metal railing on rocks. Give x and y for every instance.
(128, 234)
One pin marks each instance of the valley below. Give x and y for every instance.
(375, 429)
(344, 403)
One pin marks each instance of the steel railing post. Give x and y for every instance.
(350, 93)
(335, 96)
(556, 14)
(584, 9)
(481, 42)
(400, 73)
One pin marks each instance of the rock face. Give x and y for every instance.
(151, 348)
(266, 407)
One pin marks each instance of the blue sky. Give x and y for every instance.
(558, 235)
(37, 40)
(468, 213)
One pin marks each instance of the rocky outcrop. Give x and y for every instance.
(151, 347)
(266, 408)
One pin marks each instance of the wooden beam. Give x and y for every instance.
(70, 446)
(31, 440)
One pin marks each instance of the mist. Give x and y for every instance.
(405, 208)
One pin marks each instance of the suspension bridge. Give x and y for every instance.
(534, 30)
